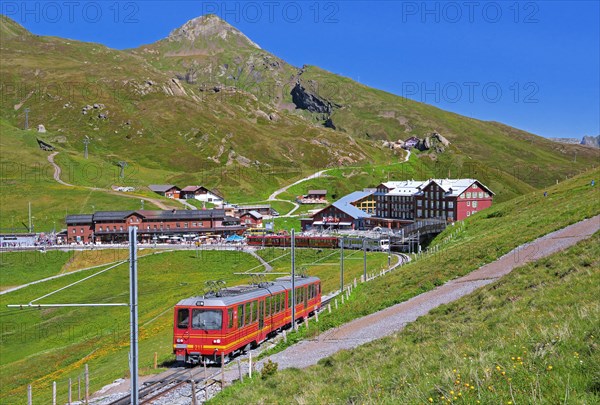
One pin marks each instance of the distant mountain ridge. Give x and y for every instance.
(593, 141)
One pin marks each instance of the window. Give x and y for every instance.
(469, 203)
(474, 204)
(450, 204)
(254, 307)
(81, 231)
(185, 225)
(207, 319)
(240, 314)
(183, 317)
(419, 213)
(247, 314)
(474, 186)
(468, 195)
(268, 306)
(100, 229)
(468, 213)
(230, 318)
(451, 214)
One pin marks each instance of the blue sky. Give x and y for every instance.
(531, 65)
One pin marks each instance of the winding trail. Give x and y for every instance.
(58, 172)
(273, 196)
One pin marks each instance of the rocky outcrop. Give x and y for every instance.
(433, 141)
(41, 128)
(305, 100)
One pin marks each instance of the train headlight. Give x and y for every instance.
(179, 340)
(217, 341)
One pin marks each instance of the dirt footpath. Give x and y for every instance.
(393, 319)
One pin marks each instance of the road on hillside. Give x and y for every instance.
(58, 171)
(273, 197)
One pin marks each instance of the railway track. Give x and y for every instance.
(154, 390)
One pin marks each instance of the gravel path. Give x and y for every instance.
(393, 319)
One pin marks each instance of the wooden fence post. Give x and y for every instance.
(53, 392)
(284, 336)
(155, 360)
(222, 370)
(336, 304)
(250, 365)
(317, 316)
(240, 370)
(306, 322)
(329, 308)
(70, 392)
(194, 393)
(29, 395)
(87, 384)
(79, 388)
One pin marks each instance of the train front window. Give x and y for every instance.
(183, 317)
(207, 319)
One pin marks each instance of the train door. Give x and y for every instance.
(261, 315)
(305, 299)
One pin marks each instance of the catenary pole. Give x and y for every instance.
(342, 264)
(364, 259)
(293, 297)
(133, 306)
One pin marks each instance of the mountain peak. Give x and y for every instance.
(208, 27)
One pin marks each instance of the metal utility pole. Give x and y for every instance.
(30, 225)
(86, 141)
(342, 264)
(133, 307)
(27, 118)
(293, 246)
(364, 259)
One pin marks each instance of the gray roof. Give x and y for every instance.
(320, 192)
(345, 204)
(166, 215)
(253, 213)
(233, 295)
(162, 188)
(79, 219)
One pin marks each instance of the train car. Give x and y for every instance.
(232, 320)
(330, 242)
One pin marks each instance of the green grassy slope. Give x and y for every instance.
(531, 337)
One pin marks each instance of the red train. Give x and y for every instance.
(237, 318)
(330, 242)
